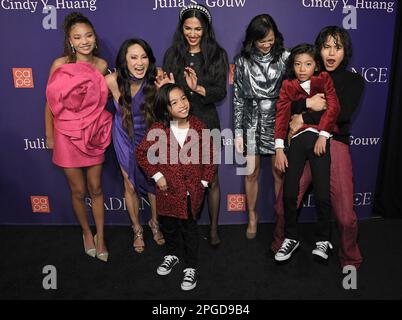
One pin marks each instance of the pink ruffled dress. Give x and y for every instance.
(77, 95)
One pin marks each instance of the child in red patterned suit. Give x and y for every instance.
(177, 157)
(310, 142)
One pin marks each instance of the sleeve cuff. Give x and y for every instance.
(279, 144)
(324, 134)
(157, 176)
(204, 183)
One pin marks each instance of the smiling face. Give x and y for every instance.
(332, 53)
(137, 61)
(304, 66)
(193, 31)
(82, 38)
(265, 44)
(179, 106)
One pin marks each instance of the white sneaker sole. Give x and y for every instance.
(187, 288)
(284, 258)
(320, 254)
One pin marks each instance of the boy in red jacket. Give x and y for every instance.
(311, 142)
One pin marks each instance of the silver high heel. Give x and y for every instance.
(103, 256)
(91, 251)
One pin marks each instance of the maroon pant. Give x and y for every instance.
(341, 188)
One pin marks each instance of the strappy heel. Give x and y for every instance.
(138, 244)
(157, 234)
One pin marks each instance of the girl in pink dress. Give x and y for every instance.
(78, 128)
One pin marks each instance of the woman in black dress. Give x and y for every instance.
(199, 64)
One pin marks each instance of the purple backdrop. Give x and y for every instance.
(34, 191)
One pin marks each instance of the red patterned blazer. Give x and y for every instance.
(292, 91)
(161, 154)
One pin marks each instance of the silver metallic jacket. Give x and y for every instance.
(257, 82)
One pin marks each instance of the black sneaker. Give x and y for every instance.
(190, 279)
(167, 265)
(322, 249)
(286, 249)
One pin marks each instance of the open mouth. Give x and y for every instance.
(331, 61)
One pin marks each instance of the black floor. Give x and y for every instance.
(239, 269)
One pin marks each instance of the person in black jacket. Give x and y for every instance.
(198, 64)
(335, 47)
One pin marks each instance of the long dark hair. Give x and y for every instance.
(257, 30)
(123, 82)
(162, 102)
(338, 34)
(300, 49)
(215, 61)
(69, 21)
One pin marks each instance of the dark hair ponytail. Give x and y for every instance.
(69, 21)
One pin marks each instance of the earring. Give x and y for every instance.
(72, 49)
(96, 46)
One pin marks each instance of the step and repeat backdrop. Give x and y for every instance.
(34, 191)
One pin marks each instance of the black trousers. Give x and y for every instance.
(302, 149)
(175, 229)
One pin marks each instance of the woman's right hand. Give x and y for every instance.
(49, 142)
(317, 102)
(162, 184)
(239, 145)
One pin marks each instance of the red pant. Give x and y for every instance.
(341, 201)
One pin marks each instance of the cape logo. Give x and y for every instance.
(40, 204)
(23, 78)
(236, 202)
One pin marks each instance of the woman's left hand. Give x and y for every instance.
(191, 78)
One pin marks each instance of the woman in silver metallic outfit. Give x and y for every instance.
(259, 71)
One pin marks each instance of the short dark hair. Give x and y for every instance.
(337, 33)
(306, 48)
(256, 30)
(162, 103)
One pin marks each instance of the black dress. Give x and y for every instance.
(202, 107)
